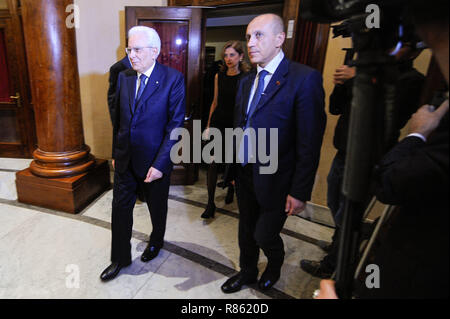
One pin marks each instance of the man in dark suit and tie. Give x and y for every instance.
(150, 103)
(289, 97)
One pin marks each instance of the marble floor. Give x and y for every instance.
(50, 254)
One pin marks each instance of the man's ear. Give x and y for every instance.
(280, 39)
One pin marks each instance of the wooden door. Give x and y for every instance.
(17, 128)
(180, 30)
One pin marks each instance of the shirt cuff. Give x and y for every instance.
(423, 138)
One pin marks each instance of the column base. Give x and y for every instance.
(69, 194)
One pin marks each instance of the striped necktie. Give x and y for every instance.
(246, 146)
(142, 79)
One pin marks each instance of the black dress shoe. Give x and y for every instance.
(316, 268)
(324, 245)
(150, 253)
(236, 282)
(112, 271)
(230, 194)
(267, 280)
(222, 184)
(209, 211)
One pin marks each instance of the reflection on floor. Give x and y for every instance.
(49, 254)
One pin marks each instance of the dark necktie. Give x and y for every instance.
(142, 78)
(246, 146)
(256, 97)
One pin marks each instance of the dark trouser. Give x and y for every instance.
(214, 168)
(124, 199)
(335, 201)
(335, 198)
(211, 181)
(258, 227)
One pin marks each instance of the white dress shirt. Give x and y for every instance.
(271, 67)
(419, 136)
(147, 73)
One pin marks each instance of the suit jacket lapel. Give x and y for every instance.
(276, 82)
(152, 84)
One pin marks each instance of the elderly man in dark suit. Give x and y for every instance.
(288, 97)
(150, 103)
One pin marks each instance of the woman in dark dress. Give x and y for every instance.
(222, 111)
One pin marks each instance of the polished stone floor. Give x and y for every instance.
(50, 254)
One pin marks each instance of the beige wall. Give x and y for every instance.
(334, 58)
(100, 43)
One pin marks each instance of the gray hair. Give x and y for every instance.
(151, 34)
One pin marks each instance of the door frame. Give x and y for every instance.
(11, 20)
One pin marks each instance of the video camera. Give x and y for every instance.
(395, 19)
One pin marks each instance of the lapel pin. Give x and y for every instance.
(278, 83)
(157, 82)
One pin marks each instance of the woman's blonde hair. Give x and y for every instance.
(237, 45)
